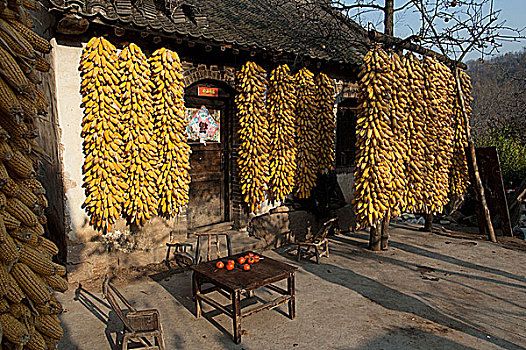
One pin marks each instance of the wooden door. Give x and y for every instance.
(209, 202)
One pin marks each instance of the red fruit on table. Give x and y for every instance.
(241, 260)
(251, 254)
(246, 267)
(250, 260)
(230, 267)
(230, 262)
(220, 264)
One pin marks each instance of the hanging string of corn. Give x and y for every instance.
(103, 133)
(281, 100)
(306, 134)
(326, 125)
(458, 176)
(141, 150)
(373, 174)
(28, 276)
(170, 132)
(253, 161)
(439, 132)
(417, 166)
(399, 126)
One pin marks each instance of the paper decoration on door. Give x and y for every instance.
(203, 125)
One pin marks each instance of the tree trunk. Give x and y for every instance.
(479, 188)
(428, 225)
(385, 233)
(375, 237)
(389, 17)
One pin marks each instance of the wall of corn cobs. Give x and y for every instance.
(28, 276)
(136, 162)
(410, 137)
(296, 111)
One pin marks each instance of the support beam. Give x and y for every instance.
(403, 44)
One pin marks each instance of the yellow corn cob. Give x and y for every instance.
(34, 288)
(49, 325)
(4, 280)
(42, 200)
(58, 283)
(21, 165)
(14, 330)
(11, 188)
(3, 134)
(28, 106)
(37, 42)
(38, 229)
(24, 235)
(50, 342)
(36, 342)
(11, 72)
(60, 270)
(10, 222)
(4, 176)
(20, 211)
(34, 185)
(53, 307)
(48, 246)
(27, 197)
(12, 123)
(41, 101)
(8, 250)
(15, 41)
(4, 304)
(42, 65)
(21, 143)
(9, 104)
(37, 261)
(3, 200)
(42, 219)
(19, 310)
(14, 293)
(31, 5)
(9, 14)
(6, 152)
(3, 230)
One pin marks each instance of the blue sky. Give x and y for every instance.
(512, 11)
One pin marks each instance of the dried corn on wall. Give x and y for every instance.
(28, 275)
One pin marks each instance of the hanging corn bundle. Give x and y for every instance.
(170, 132)
(281, 100)
(439, 92)
(25, 255)
(458, 176)
(103, 133)
(373, 174)
(306, 134)
(416, 170)
(253, 159)
(141, 150)
(326, 125)
(400, 128)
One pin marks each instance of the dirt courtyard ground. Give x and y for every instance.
(427, 292)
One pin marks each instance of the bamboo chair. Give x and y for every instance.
(140, 326)
(317, 241)
(209, 236)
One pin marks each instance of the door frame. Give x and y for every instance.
(227, 93)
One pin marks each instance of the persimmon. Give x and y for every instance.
(220, 264)
(231, 262)
(241, 260)
(230, 267)
(251, 254)
(250, 260)
(246, 267)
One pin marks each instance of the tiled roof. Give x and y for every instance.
(304, 27)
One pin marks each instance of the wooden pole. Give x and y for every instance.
(428, 225)
(479, 188)
(375, 237)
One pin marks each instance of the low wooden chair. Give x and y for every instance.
(140, 326)
(317, 241)
(209, 236)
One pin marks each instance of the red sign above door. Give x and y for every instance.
(207, 91)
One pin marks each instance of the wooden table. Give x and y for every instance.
(237, 282)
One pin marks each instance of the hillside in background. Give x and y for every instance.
(499, 111)
(499, 91)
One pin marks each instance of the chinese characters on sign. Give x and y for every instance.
(203, 125)
(207, 91)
